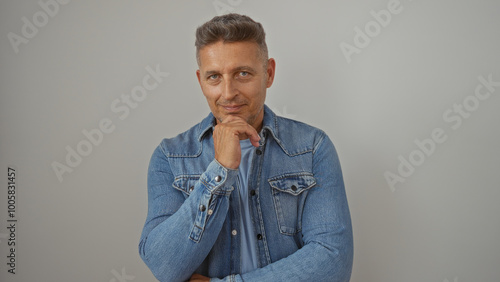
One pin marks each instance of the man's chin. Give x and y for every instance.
(220, 118)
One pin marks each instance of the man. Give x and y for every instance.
(245, 195)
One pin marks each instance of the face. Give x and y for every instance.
(234, 79)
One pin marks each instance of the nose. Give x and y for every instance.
(229, 90)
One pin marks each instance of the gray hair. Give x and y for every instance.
(231, 28)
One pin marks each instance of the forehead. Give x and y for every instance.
(229, 55)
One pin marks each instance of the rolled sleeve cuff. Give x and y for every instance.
(219, 179)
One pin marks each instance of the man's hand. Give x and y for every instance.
(198, 277)
(227, 135)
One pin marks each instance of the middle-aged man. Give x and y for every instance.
(245, 195)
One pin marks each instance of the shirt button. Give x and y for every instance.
(259, 236)
(202, 208)
(252, 192)
(210, 212)
(234, 232)
(258, 152)
(191, 189)
(294, 188)
(218, 178)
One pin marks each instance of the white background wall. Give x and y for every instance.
(440, 224)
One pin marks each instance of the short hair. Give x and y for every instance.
(231, 28)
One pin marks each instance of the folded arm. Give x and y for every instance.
(179, 232)
(327, 253)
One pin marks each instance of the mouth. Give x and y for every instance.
(232, 108)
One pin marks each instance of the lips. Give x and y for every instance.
(232, 108)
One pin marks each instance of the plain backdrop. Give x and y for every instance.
(65, 68)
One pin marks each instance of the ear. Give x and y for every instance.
(198, 75)
(271, 68)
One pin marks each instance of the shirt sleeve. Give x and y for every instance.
(179, 232)
(327, 253)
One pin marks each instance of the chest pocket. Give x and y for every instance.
(186, 183)
(289, 194)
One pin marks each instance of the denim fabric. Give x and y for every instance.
(298, 206)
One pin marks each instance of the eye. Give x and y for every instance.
(244, 73)
(213, 77)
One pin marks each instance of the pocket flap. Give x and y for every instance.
(293, 183)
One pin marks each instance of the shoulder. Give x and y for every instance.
(296, 137)
(189, 142)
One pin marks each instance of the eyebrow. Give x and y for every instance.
(237, 69)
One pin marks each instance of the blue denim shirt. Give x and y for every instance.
(297, 199)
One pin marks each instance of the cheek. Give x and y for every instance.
(210, 92)
(253, 89)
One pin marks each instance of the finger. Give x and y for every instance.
(251, 133)
(247, 131)
(255, 139)
(244, 130)
(250, 129)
